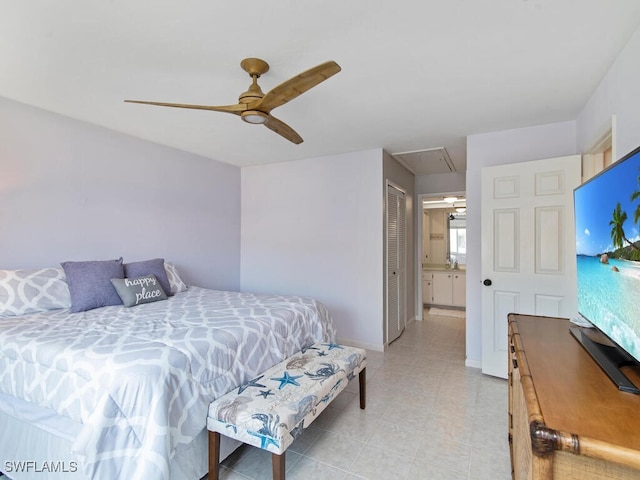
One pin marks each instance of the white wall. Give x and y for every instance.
(498, 148)
(313, 227)
(618, 94)
(73, 191)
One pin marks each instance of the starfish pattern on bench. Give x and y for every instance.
(287, 379)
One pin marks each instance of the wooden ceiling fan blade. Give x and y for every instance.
(283, 129)
(296, 86)
(235, 109)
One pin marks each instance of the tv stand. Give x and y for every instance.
(609, 357)
(566, 418)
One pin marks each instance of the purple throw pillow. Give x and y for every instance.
(90, 283)
(149, 267)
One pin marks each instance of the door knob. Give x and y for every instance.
(487, 282)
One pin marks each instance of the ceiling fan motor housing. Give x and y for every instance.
(253, 94)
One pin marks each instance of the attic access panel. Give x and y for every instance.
(426, 162)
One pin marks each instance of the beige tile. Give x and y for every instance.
(486, 464)
(492, 434)
(424, 471)
(379, 463)
(354, 423)
(414, 416)
(443, 454)
(309, 469)
(395, 438)
(450, 427)
(335, 450)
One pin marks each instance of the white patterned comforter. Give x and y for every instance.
(140, 379)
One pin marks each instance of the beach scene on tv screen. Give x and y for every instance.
(607, 210)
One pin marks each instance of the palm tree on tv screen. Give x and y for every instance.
(619, 216)
(635, 196)
(617, 229)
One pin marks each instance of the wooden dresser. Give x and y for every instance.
(566, 418)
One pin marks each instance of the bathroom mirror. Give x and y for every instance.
(457, 244)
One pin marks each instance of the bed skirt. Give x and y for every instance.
(36, 444)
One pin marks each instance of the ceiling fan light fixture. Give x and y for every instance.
(254, 116)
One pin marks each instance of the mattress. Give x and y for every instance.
(134, 384)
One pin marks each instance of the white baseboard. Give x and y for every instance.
(366, 346)
(473, 363)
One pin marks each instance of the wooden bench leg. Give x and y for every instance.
(278, 465)
(214, 455)
(362, 377)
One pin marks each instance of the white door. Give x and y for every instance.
(528, 248)
(396, 260)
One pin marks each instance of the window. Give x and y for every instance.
(458, 240)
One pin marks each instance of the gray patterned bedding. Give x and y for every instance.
(140, 379)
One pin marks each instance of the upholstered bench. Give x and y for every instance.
(272, 409)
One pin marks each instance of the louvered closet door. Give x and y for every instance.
(396, 261)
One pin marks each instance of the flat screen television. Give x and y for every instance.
(607, 221)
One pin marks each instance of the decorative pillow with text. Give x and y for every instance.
(139, 290)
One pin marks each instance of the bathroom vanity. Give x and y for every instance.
(444, 287)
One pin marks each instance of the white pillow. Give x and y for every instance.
(30, 291)
(176, 283)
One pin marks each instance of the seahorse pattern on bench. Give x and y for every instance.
(272, 409)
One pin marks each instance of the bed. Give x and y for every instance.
(116, 392)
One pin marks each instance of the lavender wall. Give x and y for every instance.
(314, 227)
(71, 191)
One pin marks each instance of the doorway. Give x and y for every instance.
(441, 251)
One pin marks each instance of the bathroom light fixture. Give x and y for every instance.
(450, 199)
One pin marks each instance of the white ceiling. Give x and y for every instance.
(415, 74)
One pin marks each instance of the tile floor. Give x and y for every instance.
(427, 417)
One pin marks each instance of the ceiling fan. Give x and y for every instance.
(255, 107)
